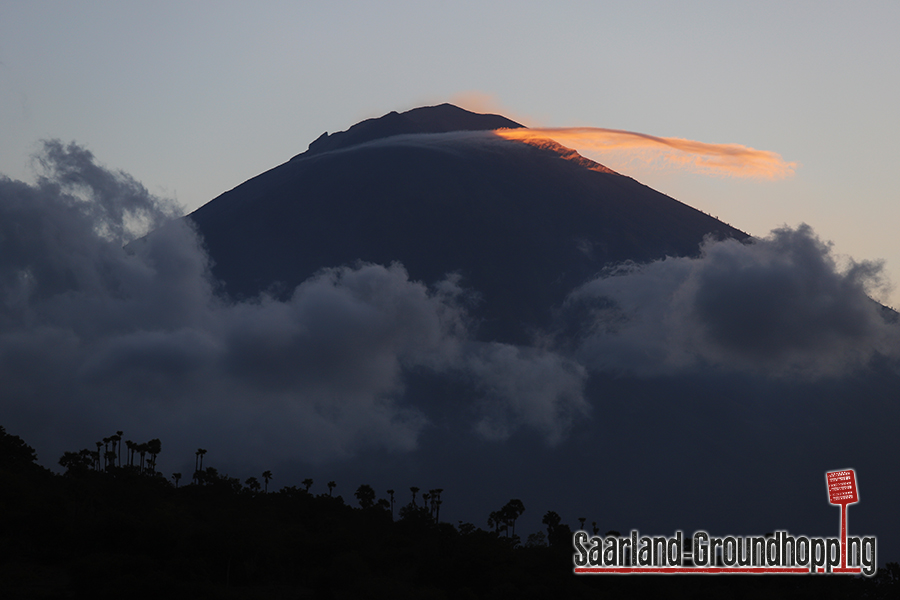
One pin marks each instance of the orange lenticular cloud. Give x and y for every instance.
(722, 160)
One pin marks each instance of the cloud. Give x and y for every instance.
(529, 387)
(720, 160)
(102, 330)
(777, 306)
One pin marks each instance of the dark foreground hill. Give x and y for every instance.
(129, 532)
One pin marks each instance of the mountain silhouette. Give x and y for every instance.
(434, 189)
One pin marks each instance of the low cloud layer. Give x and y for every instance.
(96, 336)
(103, 329)
(779, 306)
(720, 160)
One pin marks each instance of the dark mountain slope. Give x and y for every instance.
(522, 225)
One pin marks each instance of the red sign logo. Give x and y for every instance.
(842, 487)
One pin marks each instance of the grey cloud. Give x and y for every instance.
(119, 207)
(101, 331)
(527, 386)
(778, 306)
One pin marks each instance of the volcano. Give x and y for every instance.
(714, 350)
(436, 190)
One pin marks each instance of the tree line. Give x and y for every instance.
(116, 525)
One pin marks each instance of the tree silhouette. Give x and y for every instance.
(582, 520)
(267, 475)
(154, 447)
(119, 435)
(76, 462)
(142, 450)
(198, 464)
(558, 534)
(510, 513)
(391, 493)
(552, 521)
(366, 496)
(414, 491)
(331, 486)
(253, 484)
(435, 497)
(109, 458)
(14, 450)
(307, 483)
(131, 450)
(495, 520)
(113, 453)
(176, 477)
(106, 442)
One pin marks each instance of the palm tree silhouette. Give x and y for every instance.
(106, 441)
(176, 477)
(414, 491)
(142, 450)
(114, 440)
(131, 448)
(109, 457)
(198, 463)
(267, 475)
(154, 447)
(436, 502)
(307, 483)
(512, 511)
(331, 486)
(119, 443)
(494, 521)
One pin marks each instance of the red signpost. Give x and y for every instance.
(842, 490)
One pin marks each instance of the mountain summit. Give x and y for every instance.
(430, 119)
(434, 189)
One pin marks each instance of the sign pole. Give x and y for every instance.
(844, 535)
(842, 490)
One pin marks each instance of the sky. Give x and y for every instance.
(192, 99)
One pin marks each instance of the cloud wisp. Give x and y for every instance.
(718, 160)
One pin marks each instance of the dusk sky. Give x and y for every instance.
(194, 98)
